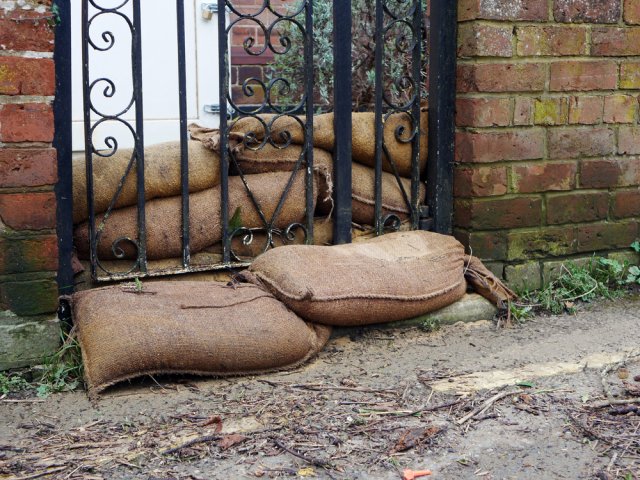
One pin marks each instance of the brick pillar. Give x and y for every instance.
(548, 137)
(28, 242)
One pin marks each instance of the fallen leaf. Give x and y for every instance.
(631, 389)
(414, 437)
(215, 420)
(229, 441)
(307, 472)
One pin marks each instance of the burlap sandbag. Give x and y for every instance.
(201, 328)
(164, 217)
(284, 128)
(270, 158)
(363, 195)
(363, 138)
(394, 277)
(162, 176)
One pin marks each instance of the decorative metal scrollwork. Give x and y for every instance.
(399, 32)
(98, 39)
(273, 25)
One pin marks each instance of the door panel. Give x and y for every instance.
(159, 70)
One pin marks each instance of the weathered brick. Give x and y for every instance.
(551, 41)
(620, 108)
(523, 111)
(579, 142)
(552, 270)
(478, 40)
(31, 122)
(498, 146)
(541, 177)
(583, 76)
(28, 211)
(587, 11)
(25, 30)
(499, 213)
(629, 141)
(630, 74)
(626, 204)
(34, 254)
(532, 10)
(483, 112)
(586, 110)
(632, 12)
(551, 111)
(577, 207)
(524, 277)
(541, 243)
(27, 167)
(502, 78)
(27, 341)
(615, 42)
(485, 245)
(26, 76)
(30, 297)
(610, 172)
(606, 236)
(480, 182)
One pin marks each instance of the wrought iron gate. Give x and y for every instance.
(401, 20)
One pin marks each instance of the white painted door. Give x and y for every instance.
(159, 70)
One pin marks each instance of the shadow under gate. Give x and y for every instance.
(422, 36)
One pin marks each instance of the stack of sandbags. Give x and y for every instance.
(281, 321)
(164, 217)
(254, 152)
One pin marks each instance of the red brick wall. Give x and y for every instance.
(28, 242)
(548, 137)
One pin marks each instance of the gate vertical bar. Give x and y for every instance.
(416, 75)
(184, 147)
(379, 122)
(136, 44)
(62, 144)
(88, 143)
(309, 77)
(342, 100)
(442, 98)
(223, 66)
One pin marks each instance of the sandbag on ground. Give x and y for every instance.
(162, 176)
(394, 277)
(202, 328)
(164, 217)
(363, 136)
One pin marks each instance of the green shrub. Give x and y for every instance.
(290, 65)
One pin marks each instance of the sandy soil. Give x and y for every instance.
(371, 405)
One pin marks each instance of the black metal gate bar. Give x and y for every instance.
(342, 101)
(416, 74)
(379, 121)
(62, 144)
(184, 147)
(88, 147)
(139, 135)
(308, 145)
(223, 68)
(442, 96)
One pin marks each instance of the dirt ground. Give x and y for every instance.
(371, 405)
